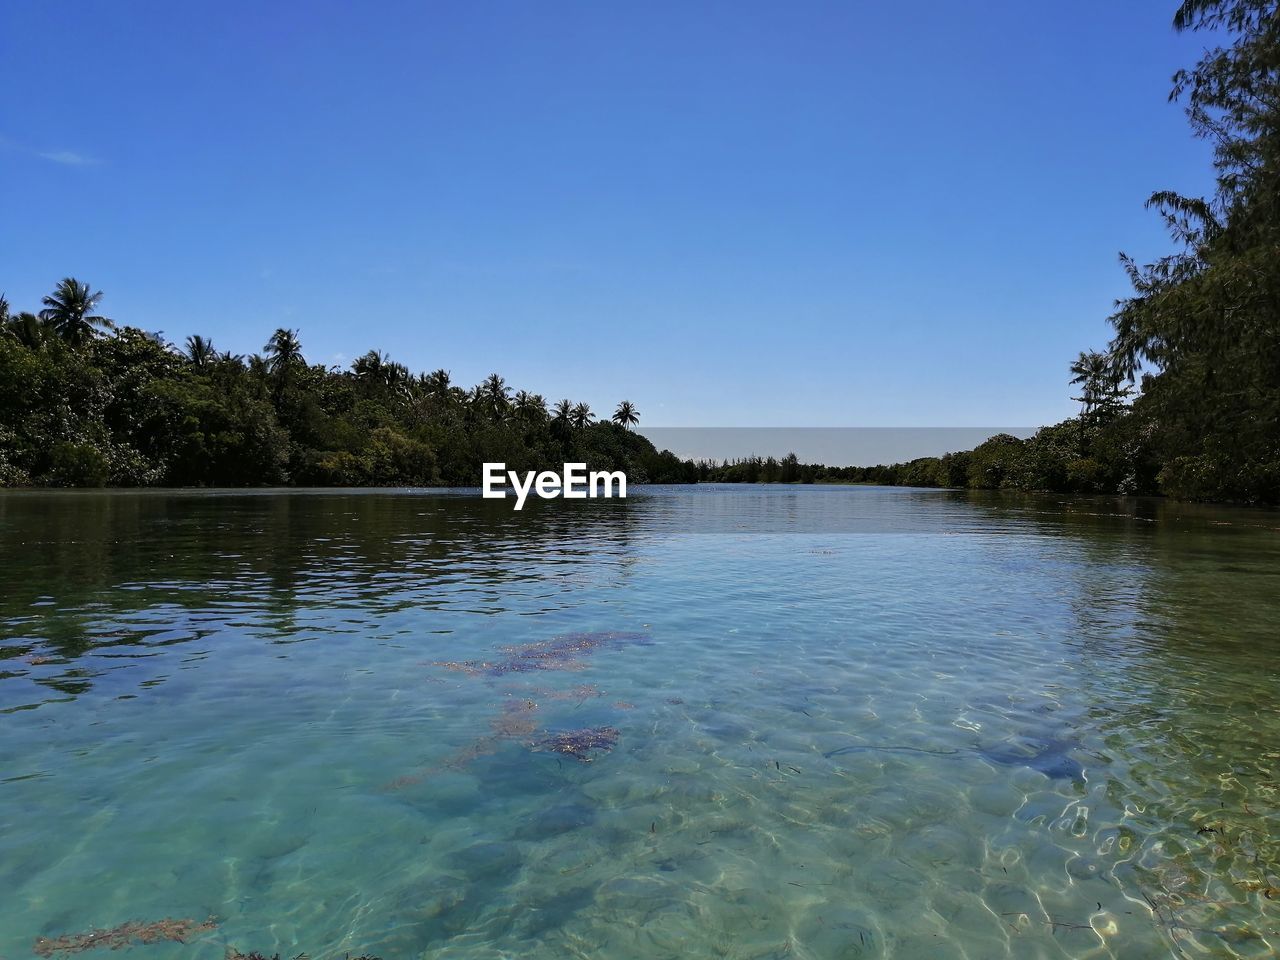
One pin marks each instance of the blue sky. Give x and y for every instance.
(773, 214)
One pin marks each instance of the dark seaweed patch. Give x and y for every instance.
(562, 653)
(581, 692)
(125, 935)
(514, 722)
(580, 744)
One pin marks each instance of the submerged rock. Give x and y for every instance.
(550, 909)
(432, 899)
(1049, 755)
(562, 653)
(481, 859)
(557, 820)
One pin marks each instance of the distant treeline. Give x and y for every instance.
(1087, 454)
(1184, 401)
(85, 404)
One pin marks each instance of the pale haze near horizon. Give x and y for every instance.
(830, 446)
(748, 214)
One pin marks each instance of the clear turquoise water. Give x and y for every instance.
(852, 722)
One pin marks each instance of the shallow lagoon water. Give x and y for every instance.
(850, 722)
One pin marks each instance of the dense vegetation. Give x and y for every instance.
(85, 404)
(1185, 399)
(1199, 338)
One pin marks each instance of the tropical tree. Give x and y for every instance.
(562, 412)
(626, 415)
(530, 407)
(438, 383)
(200, 351)
(28, 329)
(283, 350)
(371, 368)
(495, 391)
(69, 310)
(5, 318)
(396, 376)
(581, 416)
(1204, 321)
(490, 398)
(1102, 386)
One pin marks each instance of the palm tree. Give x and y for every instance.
(626, 415)
(371, 368)
(200, 351)
(437, 383)
(473, 403)
(283, 350)
(581, 415)
(495, 391)
(69, 310)
(530, 407)
(1100, 383)
(397, 379)
(562, 411)
(492, 397)
(28, 329)
(6, 321)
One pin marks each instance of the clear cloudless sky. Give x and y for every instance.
(746, 213)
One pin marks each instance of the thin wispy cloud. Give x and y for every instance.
(68, 158)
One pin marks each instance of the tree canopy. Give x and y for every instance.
(83, 403)
(1201, 327)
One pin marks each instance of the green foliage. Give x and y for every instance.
(73, 464)
(1205, 320)
(124, 408)
(1081, 455)
(626, 415)
(69, 311)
